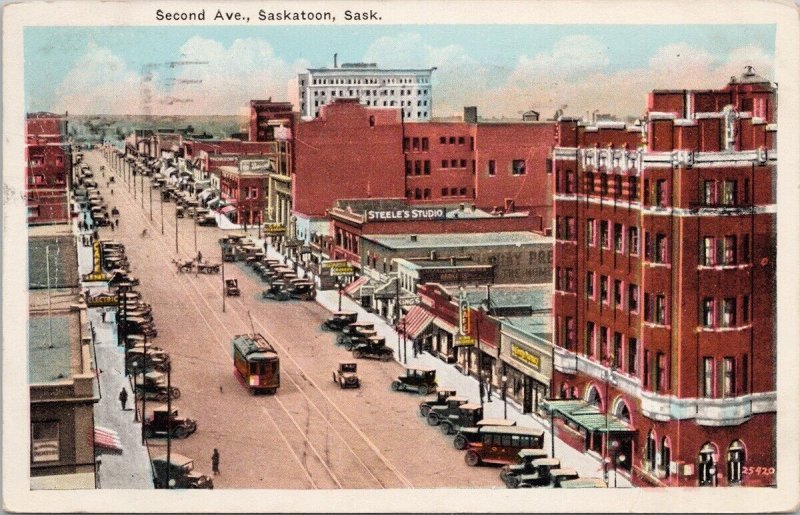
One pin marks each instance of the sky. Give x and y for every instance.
(504, 70)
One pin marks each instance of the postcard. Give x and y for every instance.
(400, 256)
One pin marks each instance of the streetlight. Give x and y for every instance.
(504, 380)
(340, 286)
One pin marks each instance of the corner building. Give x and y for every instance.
(664, 303)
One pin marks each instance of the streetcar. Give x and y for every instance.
(257, 363)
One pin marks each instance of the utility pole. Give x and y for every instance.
(176, 229)
(222, 255)
(151, 198)
(397, 317)
(169, 422)
(161, 194)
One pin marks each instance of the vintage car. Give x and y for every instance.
(355, 330)
(141, 325)
(373, 348)
(178, 472)
(558, 476)
(509, 474)
(339, 320)
(500, 444)
(584, 482)
(154, 359)
(417, 379)
(232, 288)
(163, 422)
(470, 434)
(154, 386)
(451, 408)
(302, 290)
(439, 399)
(208, 268)
(536, 474)
(276, 291)
(360, 338)
(346, 376)
(179, 212)
(208, 220)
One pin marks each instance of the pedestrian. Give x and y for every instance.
(116, 222)
(112, 192)
(112, 227)
(103, 316)
(80, 225)
(199, 256)
(215, 462)
(123, 398)
(95, 235)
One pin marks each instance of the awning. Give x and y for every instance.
(227, 209)
(107, 439)
(444, 325)
(351, 288)
(587, 416)
(416, 321)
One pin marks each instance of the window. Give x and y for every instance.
(604, 350)
(417, 194)
(735, 462)
(633, 241)
(617, 358)
(426, 167)
(417, 168)
(729, 193)
(425, 144)
(569, 185)
(444, 192)
(372, 121)
(453, 191)
(603, 184)
(660, 251)
(590, 339)
(569, 276)
(605, 241)
(709, 193)
(570, 336)
(728, 377)
(633, 188)
(744, 373)
(728, 313)
(462, 192)
(406, 144)
(618, 238)
(617, 294)
(729, 250)
(462, 163)
(453, 163)
(646, 371)
(633, 355)
(570, 229)
(452, 140)
(705, 466)
(590, 285)
(461, 140)
(661, 193)
(745, 248)
(617, 185)
(518, 167)
(660, 311)
(661, 372)
(589, 182)
(633, 298)
(707, 251)
(442, 140)
(492, 167)
(45, 443)
(444, 163)
(604, 289)
(708, 377)
(415, 143)
(590, 235)
(707, 318)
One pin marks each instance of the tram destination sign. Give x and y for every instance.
(399, 215)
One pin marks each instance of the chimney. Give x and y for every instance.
(334, 60)
(433, 255)
(471, 114)
(413, 237)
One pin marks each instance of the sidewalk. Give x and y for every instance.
(467, 386)
(131, 467)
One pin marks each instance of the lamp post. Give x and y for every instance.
(176, 228)
(615, 458)
(151, 198)
(504, 380)
(169, 422)
(141, 185)
(340, 286)
(161, 195)
(222, 255)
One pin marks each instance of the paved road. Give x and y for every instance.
(311, 434)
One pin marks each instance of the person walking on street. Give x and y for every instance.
(215, 462)
(116, 222)
(123, 398)
(199, 256)
(112, 192)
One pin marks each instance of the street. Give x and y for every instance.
(311, 434)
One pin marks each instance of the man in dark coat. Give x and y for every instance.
(123, 397)
(215, 462)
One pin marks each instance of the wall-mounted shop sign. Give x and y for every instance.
(396, 215)
(97, 273)
(526, 356)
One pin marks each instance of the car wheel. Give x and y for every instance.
(422, 390)
(513, 482)
(446, 428)
(386, 357)
(175, 392)
(459, 442)
(432, 419)
(340, 339)
(324, 327)
(334, 378)
(357, 354)
(424, 410)
(180, 432)
(396, 386)
(472, 458)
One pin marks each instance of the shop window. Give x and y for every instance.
(706, 466)
(735, 463)
(45, 442)
(518, 167)
(492, 167)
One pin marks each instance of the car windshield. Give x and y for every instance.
(351, 367)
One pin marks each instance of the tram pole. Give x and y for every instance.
(151, 199)
(176, 229)
(222, 255)
(161, 194)
(169, 422)
(144, 386)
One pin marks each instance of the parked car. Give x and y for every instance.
(452, 406)
(417, 379)
(439, 399)
(339, 320)
(180, 471)
(302, 290)
(500, 445)
(276, 291)
(346, 376)
(232, 288)
(471, 417)
(207, 220)
(155, 359)
(373, 348)
(163, 422)
(540, 475)
(468, 435)
(509, 474)
(559, 475)
(154, 387)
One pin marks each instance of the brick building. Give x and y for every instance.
(48, 163)
(351, 151)
(664, 309)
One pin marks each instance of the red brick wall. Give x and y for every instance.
(445, 182)
(341, 155)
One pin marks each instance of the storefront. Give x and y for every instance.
(526, 362)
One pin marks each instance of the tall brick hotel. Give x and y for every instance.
(664, 301)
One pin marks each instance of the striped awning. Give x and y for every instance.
(107, 439)
(354, 286)
(415, 322)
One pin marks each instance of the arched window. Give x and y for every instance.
(706, 465)
(622, 412)
(735, 462)
(574, 392)
(593, 397)
(666, 456)
(564, 394)
(650, 451)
